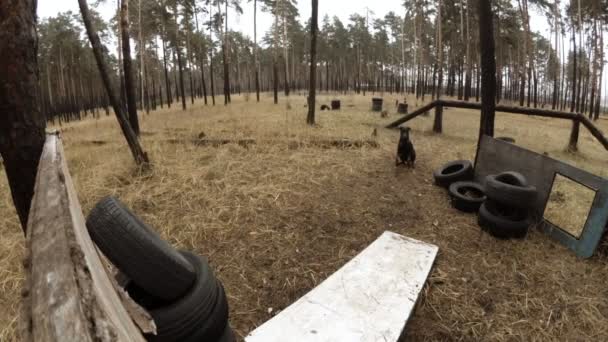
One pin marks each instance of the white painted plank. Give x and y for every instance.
(369, 299)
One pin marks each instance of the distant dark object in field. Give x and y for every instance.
(335, 105)
(94, 142)
(396, 103)
(375, 133)
(324, 107)
(288, 106)
(384, 114)
(507, 139)
(202, 135)
(350, 106)
(377, 104)
(406, 154)
(402, 108)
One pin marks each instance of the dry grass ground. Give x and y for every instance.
(274, 221)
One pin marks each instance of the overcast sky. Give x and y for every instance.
(244, 23)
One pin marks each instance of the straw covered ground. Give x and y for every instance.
(278, 217)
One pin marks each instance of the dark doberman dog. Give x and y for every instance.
(406, 154)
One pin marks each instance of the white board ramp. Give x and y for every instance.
(369, 299)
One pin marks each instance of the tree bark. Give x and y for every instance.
(22, 124)
(255, 50)
(313, 63)
(180, 64)
(128, 68)
(488, 68)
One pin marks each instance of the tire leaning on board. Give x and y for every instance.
(138, 251)
(467, 196)
(456, 171)
(503, 222)
(510, 189)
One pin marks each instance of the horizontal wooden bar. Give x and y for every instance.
(511, 110)
(413, 115)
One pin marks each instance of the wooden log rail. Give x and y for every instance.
(67, 295)
(576, 118)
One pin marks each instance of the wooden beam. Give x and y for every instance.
(594, 130)
(514, 110)
(67, 294)
(413, 115)
(576, 118)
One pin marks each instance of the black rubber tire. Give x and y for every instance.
(512, 223)
(228, 335)
(138, 251)
(214, 327)
(456, 171)
(506, 189)
(513, 178)
(461, 198)
(507, 139)
(201, 314)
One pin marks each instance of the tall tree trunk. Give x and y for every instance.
(180, 64)
(225, 55)
(167, 79)
(596, 115)
(285, 51)
(211, 74)
(255, 50)
(488, 68)
(440, 47)
(313, 63)
(141, 158)
(467, 83)
(22, 124)
(142, 65)
(131, 91)
(574, 71)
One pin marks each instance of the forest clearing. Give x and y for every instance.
(275, 221)
(276, 170)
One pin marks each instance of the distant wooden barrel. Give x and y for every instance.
(402, 109)
(377, 104)
(335, 105)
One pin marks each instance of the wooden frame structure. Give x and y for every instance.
(496, 156)
(68, 295)
(576, 118)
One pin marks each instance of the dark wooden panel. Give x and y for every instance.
(496, 156)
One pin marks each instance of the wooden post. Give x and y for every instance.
(573, 144)
(67, 295)
(438, 124)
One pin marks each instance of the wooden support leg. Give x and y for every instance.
(573, 144)
(438, 124)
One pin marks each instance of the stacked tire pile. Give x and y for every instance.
(178, 288)
(457, 177)
(505, 214)
(502, 203)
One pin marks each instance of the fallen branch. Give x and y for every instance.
(246, 143)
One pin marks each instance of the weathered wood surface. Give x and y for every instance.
(369, 299)
(495, 156)
(67, 295)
